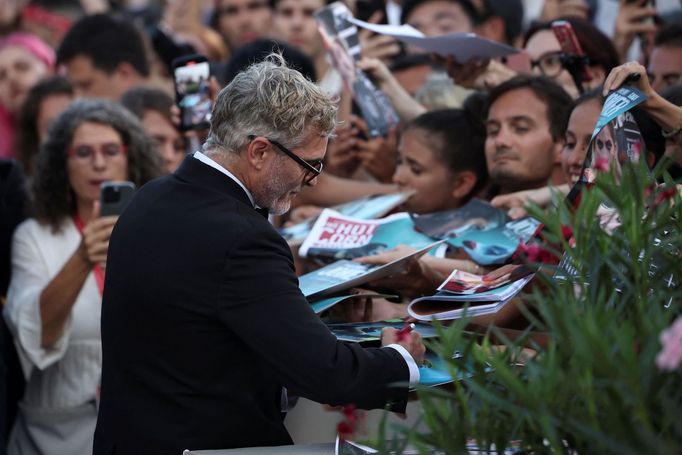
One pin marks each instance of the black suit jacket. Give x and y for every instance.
(203, 323)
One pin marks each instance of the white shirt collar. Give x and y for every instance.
(208, 161)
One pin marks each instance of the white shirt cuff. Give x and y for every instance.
(411, 364)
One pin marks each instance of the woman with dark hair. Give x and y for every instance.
(43, 104)
(442, 164)
(58, 259)
(544, 50)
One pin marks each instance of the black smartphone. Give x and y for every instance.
(192, 92)
(115, 196)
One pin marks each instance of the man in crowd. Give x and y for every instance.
(439, 17)
(104, 57)
(241, 22)
(294, 22)
(525, 123)
(215, 326)
(665, 64)
(153, 107)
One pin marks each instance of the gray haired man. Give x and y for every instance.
(203, 336)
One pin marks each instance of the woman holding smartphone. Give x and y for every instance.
(58, 259)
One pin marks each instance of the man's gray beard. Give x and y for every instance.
(272, 190)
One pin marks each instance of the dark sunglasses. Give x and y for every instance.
(314, 167)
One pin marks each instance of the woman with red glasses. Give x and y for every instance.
(58, 261)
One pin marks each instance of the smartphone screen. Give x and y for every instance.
(192, 90)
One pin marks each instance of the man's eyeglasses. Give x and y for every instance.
(312, 167)
(550, 64)
(108, 150)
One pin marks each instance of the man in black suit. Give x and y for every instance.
(204, 328)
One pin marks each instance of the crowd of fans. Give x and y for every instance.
(86, 96)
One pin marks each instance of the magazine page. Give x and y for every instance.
(497, 245)
(364, 208)
(614, 140)
(335, 236)
(474, 215)
(362, 332)
(465, 283)
(340, 37)
(344, 274)
(445, 305)
(463, 46)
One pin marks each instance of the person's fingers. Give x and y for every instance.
(387, 51)
(375, 18)
(361, 126)
(389, 335)
(381, 40)
(642, 13)
(96, 208)
(516, 213)
(643, 28)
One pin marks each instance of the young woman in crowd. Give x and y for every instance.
(544, 50)
(440, 157)
(43, 104)
(58, 257)
(24, 60)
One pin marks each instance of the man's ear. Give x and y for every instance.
(463, 184)
(258, 151)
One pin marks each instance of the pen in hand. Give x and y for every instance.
(404, 333)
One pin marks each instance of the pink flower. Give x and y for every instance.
(344, 429)
(602, 164)
(567, 234)
(533, 253)
(670, 357)
(664, 195)
(351, 420)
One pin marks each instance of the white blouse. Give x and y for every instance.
(68, 373)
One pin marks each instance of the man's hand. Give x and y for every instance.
(412, 343)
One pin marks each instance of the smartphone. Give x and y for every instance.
(115, 196)
(192, 92)
(570, 46)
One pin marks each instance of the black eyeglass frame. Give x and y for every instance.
(308, 166)
(559, 54)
